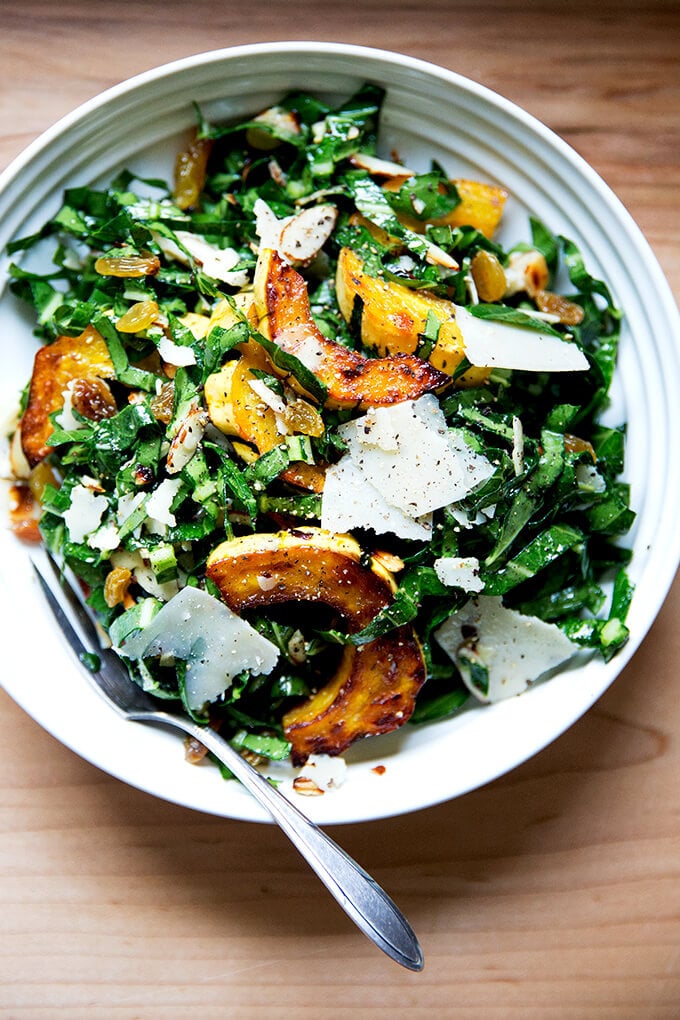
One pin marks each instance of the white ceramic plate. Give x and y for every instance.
(429, 112)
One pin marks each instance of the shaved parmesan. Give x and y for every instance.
(500, 652)
(412, 458)
(146, 579)
(471, 518)
(459, 572)
(85, 513)
(589, 478)
(268, 226)
(517, 445)
(493, 344)
(268, 396)
(215, 643)
(143, 574)
(159, 502)
(175, 354)
(350, 501)
(312, 355)
(127, 504)
(105, 538)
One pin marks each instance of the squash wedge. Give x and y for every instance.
(394, 316)
(375, 686)
(481, 206)
(352, 380)
(66, 359)
(237, 410)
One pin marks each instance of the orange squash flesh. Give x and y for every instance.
(352, 380)
(481, 206)
(68, 358)
(393, 317)
(256, 422)
(375, 686)
(237, 410)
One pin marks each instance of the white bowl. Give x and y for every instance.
(429, 112)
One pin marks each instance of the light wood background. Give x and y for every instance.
(552, 893)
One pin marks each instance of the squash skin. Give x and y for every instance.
(393, 317)
(375, 686)
(352, 380)
(68, 358)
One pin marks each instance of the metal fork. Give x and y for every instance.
(358, 894)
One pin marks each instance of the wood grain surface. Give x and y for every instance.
(551, 893)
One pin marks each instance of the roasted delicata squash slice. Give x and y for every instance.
(67, 359)
(237, 408)
(481, 206)
(351, 379)
(375, 686)
(393, 317)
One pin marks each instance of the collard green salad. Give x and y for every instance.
(325, 455)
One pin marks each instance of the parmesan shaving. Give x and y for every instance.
(215, 643)
(412, 458)
(84, 514)
(493, 344)
(512, 650)
(351, 501)
(459, 572)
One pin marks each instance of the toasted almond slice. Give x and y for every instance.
(380, 167)
(526, 272)
(303, 237)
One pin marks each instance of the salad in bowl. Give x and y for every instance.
(327, 458)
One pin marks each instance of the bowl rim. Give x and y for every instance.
(387, 58)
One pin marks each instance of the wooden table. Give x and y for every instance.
(554, 891)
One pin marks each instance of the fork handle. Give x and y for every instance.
(358, 894)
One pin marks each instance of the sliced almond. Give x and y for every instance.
(303, 237)
(186, 439)
(306, 787)
(526, 272)
(380, 167)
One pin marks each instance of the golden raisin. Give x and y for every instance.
(303, 418)
(40, 477)
(488, 275)
(574, 444)
(93, 399)
(191, 166)
(163, 403)
(127, 265)
(138, 317)
(23, 513)
(116, 586)
(568, 312)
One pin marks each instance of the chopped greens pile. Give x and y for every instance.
(542, 529)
